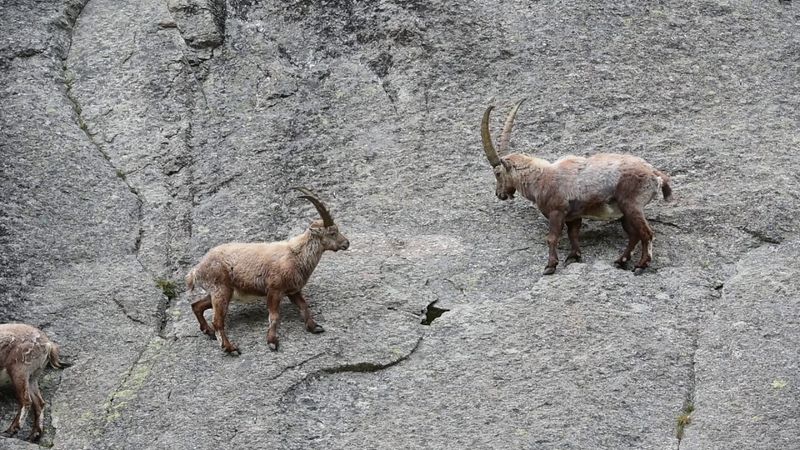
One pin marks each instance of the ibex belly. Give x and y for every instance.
(602, 211)
(241, 297)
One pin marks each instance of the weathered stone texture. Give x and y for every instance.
(135, 135)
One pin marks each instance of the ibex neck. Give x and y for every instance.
(307, 251)
(526, 172)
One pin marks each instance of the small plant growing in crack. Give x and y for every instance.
(120, 174)
(168, 287)
(684, 419)
(432, 313)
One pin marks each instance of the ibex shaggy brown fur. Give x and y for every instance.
(24, 352)
(605, 186)
(251, 271)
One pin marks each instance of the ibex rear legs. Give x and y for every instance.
(573, 229)
(199, 307)
(220, 298)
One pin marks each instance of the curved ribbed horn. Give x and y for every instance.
(327, 220)
(506, 135)
(488, 148)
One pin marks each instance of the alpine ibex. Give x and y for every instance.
(248, 272)
(24, 352)
(605, 186)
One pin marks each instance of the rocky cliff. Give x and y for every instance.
(135, 135)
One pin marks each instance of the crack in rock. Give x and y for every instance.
(200, 22)
(133, 380)
(685, 417)
(295, 366)
(761, 236)
(360, 367)
(369, 367)
(125, 311)
(432, 312)
(76, 107)
(9, 55)
(665, 222)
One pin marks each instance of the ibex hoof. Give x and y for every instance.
(273, 346)
(316, 329)
(34, 436)
(572, 259)
(639, 270)
(549, 270)
(233, 351)
(621, 264)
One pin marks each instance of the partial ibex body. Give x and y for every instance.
(24, 352)
(253, 271)
(605, 186)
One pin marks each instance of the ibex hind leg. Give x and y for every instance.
(38, 410)
(573, 231)
(647, 246)
(633, 239)
(199, 307)
(19, 379)
(220, 299)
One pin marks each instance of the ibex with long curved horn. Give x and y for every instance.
(248, 272)
(605, 186)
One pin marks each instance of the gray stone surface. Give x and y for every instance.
(135, 135)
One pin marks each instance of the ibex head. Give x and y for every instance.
(325, 229)
(505, 188)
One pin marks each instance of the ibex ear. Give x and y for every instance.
(506, 164)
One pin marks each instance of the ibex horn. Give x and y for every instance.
(488, 148)
(327, 220)
(506, 135)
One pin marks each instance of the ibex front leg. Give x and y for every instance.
(556, 219)
(274, 307)
(311, 325)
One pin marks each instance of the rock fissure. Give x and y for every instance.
(133, 379)
(76, 107)
(162, 317)
(431, 313)
(295, 366)
(685, 416)
(360, 367)
(132, 52)
(761, 236)
(368, 367)
(125, 311)
(109, 406)
(21, 53)
(665, 222)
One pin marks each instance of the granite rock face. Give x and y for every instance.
(136, 135)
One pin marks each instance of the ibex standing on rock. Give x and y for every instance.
(251, 271)
(24, 352)
(605, 186)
